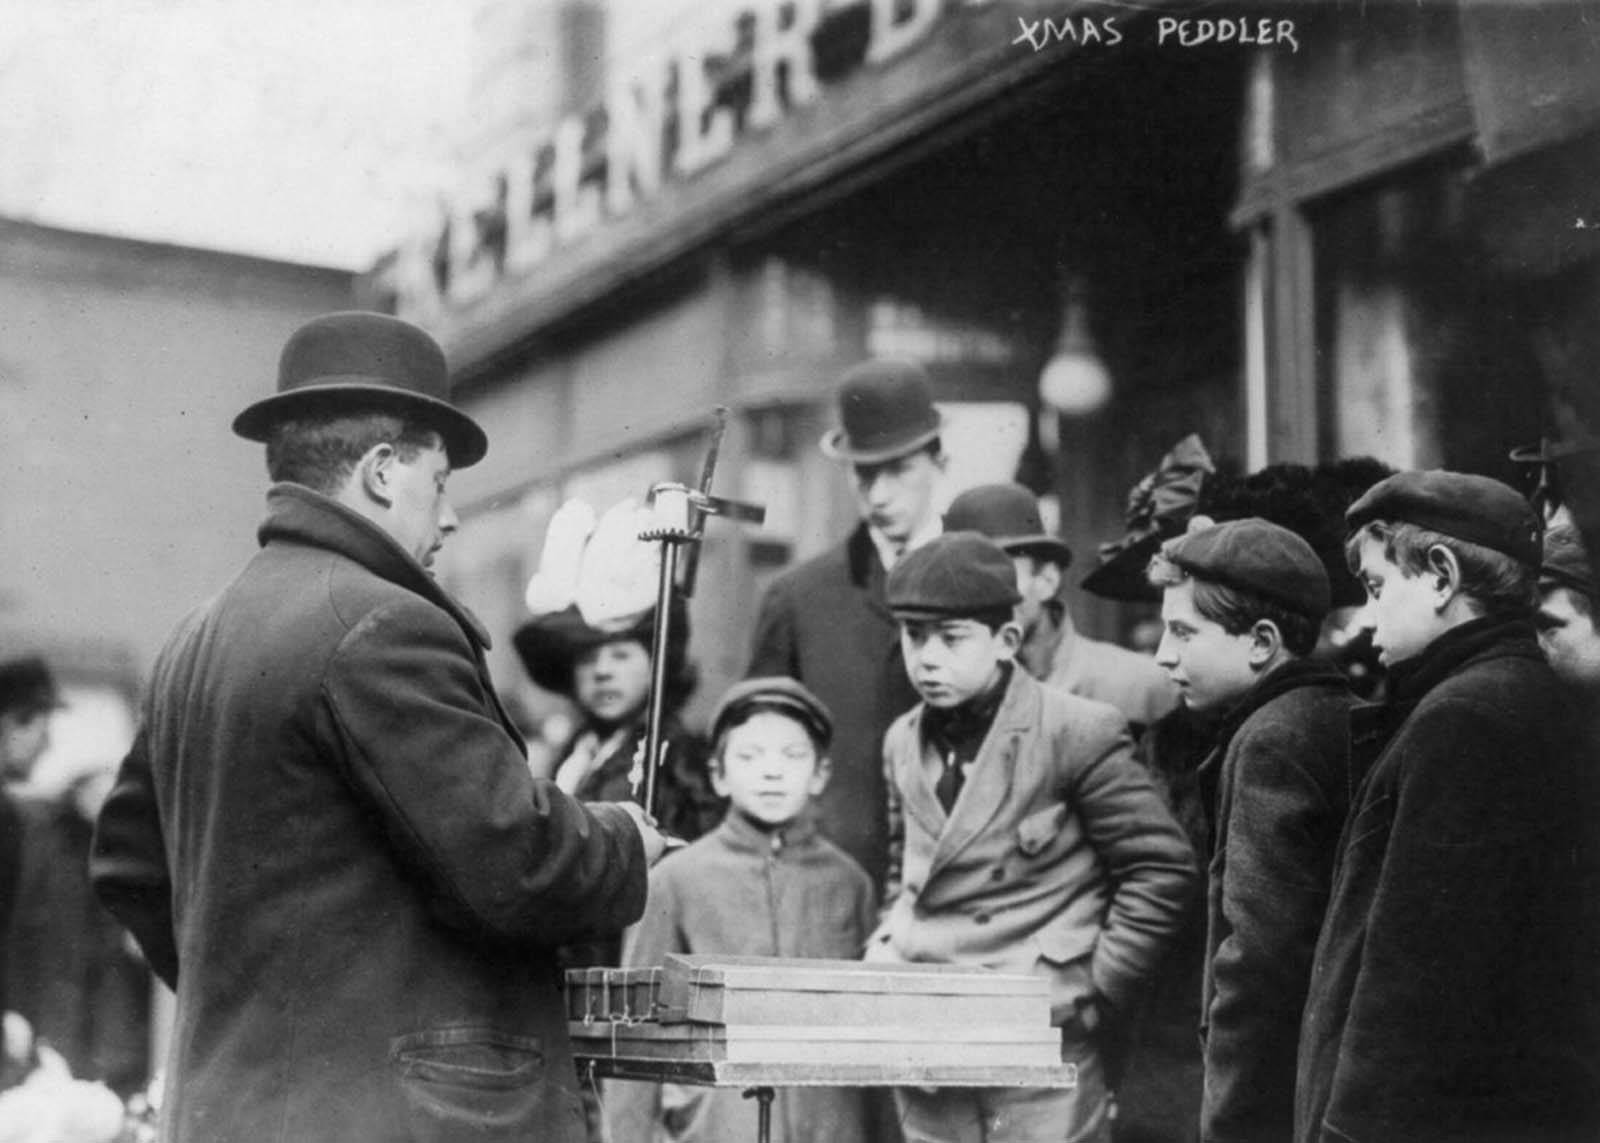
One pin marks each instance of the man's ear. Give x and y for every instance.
(1265, 642)
(375, 471)
(1444, 570)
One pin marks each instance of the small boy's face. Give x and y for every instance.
(1402, 611)
(953, 660)
(612, 681)
(1209, 665)
(769, 768)
(1570, 640)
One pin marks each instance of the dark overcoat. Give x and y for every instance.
(1453, 991)
(827, 623)
(327, 839)
(1282, 783)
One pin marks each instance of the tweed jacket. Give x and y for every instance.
(826, 623)
(1058, 857)
(745, 891)
(1454, 990)
(1095, 669)
(1281, 781)
(327, 838)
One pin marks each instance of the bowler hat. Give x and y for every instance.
(342, 362)
(775, 690)
(1477, 509)
(956, 575)
(27, 686)
(885, 411)
(1260, 557)
(1009, 515)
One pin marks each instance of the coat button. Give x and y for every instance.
(999, 873)
(981, 919)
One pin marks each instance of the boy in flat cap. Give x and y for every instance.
(1453, 991)
(326, 836)
(1053, 650)
(1568, 600)
(1242, 604)
(763, 883)
(825, 622)
(1024, 837)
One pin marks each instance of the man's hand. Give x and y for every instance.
(655, 842)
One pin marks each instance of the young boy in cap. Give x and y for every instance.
(1454, 985)
(1242, 604)
(763, 883)
(1023, 837)
(1568, 599)
(1053, 650)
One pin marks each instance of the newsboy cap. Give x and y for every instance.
(788, 695)
(885, 411)
(1259, 557)
(1009, 515)
(342, 362)
(1477, 509)
(956, 575)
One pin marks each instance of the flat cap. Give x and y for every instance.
(779, 691)
(1476, 509)
(955, 575)
(1009, 515)
(1260, 557)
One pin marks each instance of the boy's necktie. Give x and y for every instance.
(948, 787)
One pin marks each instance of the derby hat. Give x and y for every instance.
(349, 361)
(1009, 515)
(885, 411)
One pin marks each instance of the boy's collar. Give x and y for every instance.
(1412, 678)
(745, 833)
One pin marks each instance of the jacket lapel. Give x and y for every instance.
(919, 798)
(991, 774)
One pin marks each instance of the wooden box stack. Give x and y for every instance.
(781, 1022)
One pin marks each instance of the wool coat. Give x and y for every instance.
(326, 837)
(1058, 857)
(1281, 783)
(1453, 992)
(746, 891)
(828, 624)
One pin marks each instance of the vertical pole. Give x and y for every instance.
(658, 670)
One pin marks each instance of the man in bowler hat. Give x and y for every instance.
(1053, 650)
(826, 623)
(326, 837)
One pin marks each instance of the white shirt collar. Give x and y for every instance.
(888, 553)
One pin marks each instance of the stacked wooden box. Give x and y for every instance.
(753, 1021)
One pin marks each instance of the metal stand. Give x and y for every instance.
(763, 1097)
(679, 514)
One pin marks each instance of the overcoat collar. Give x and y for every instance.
(989, 778)
(866, 571)
(298, 515)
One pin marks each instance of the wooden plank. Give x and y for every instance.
(786, 1006)
(860, 1046)
(707, 1073)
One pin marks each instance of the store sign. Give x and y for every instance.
(665, 120)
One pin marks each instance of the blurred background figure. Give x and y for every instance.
(69, 970)
(1567, 604)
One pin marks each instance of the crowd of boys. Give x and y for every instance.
(1401, 900)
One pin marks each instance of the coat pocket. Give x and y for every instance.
(1038, 830)
(475, 1081)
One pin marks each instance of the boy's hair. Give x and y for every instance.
(1493, 583)
(321, 452)
(1235, 610)
(748, 710)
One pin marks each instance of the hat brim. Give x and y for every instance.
(1122, 577)
(464, 439)
(1041, 545)
(550, 645)
(835, 445)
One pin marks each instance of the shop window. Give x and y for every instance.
(1423, 358)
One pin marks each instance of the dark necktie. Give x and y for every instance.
(948, 787)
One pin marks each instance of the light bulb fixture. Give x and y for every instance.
(1075, 381)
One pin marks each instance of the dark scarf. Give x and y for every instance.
(961, 729)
